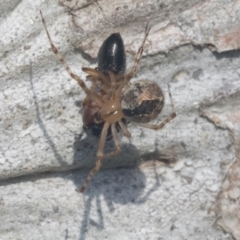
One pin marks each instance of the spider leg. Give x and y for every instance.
(87, 99)
(89, 177)
(170, 96)
(139, 54)
(111, 92)
(93, 96)
(124, 129)
(100, 157)
(116, 141)
(157, 126)
(98, 76)
(164, 122)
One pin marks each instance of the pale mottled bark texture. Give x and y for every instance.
(193, 46)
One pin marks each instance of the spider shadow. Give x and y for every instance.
(119, 181)
(122, 186)
(40, 120)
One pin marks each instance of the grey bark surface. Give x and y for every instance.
(44, 153)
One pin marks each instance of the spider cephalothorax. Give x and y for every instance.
(112, 100)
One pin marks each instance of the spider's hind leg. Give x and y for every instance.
(100, 154)
(99, 157)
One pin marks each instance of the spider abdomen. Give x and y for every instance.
(142, 101)
(111, 55)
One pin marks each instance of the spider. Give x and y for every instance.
(112, 101)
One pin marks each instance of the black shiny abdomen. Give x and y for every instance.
(96, 129)
(111, 55)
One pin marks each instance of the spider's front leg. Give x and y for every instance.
(139, 54)
(92, 95)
